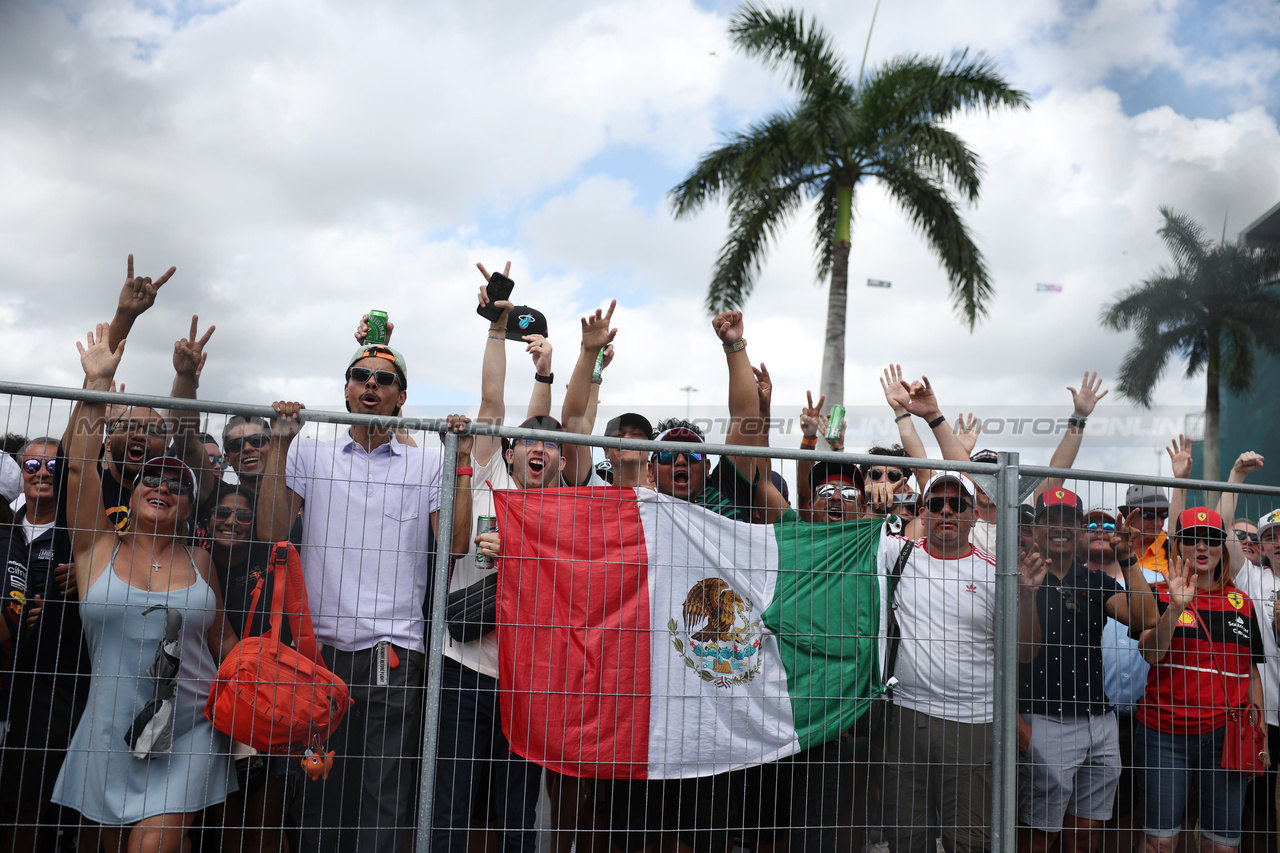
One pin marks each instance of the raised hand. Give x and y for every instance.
(608, 357)
(1032, 569)
(504, 304)
(1182, 583)
(1121, 540)
(98, 359)
(188, 353)
(919, 400)
(968, 431)
(1180, 456)
(1087, 397)
(728, 327)
(764, 386)
(1246, 463)
(540, 349)
(362, 330)
(893, 386)
(139, 293)
(288, 420)
(811, 418)
(596, 334)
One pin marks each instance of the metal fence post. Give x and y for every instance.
(1004, 817)
(435, 645)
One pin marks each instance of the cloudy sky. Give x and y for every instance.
(303, 162)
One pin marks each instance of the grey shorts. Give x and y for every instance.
(1071, 766)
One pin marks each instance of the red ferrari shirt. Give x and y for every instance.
(1206, 670)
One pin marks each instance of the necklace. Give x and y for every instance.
(156, 566)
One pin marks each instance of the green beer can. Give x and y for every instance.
(377, 328)
(835, 422)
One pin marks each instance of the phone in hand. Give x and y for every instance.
(499, 288)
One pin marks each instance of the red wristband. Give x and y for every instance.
(464, 472)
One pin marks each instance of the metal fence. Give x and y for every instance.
(554, 548)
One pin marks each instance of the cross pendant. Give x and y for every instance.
(155, 567)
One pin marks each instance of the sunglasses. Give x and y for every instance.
(177, 485)
(1195, 537)
(846, 493)
(1153, 514)
(1094, 526)
(1242, 535)
(258, 439)
(152, 428)
(243, 516)
(958, 505)
(386, 378)
(530, 442)
(668, 457)
(31, 466)
(893, 474)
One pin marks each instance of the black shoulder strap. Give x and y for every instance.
(894, 635)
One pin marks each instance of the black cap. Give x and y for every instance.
(989, 456)
(826, 470)
(524, 320)
(542, 422)
(630, 419)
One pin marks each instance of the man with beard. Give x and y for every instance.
(1068, 738)
(836, 490)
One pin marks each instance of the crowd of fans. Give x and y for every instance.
(134, 534)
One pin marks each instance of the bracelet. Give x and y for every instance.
(901, 417)
(808, 442)
(545, 380)
(464, 472)
(497, 338)
(737, 346)
(1076, 421)
(596, 380)
(937, 422)
(1124, 564)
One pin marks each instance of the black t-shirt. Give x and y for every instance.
(238, 583)
(728, 493)
(1065, 679)
(53, 644)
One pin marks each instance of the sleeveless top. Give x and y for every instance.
(100, 778)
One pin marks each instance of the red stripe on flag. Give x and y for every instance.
(573, 630)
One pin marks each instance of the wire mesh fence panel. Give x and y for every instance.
(265, 634)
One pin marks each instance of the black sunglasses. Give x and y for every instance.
(386, 378)
(222, 513)
(177, 485)
(958, 505)
(258, 439)
(668, 457)
(893, 474)
(31, 466)
(1198, 535)
(1242, 535)
(1153, 514)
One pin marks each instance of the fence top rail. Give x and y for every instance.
(439, 425)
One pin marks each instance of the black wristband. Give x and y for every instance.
(900, 418)
(1124, 564)
(546, 380)
(1076, 421)
(937, 422)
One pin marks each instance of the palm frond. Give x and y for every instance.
(754, 220)
(935, 216)
(1237, 357)
(784, 37)
(1184, 238)
(1145, 363)
(750, 157)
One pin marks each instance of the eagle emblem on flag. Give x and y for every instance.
(720, 639)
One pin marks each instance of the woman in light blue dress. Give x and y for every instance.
(132, 584)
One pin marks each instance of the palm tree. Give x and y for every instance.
(887, 124)
(1215, 307)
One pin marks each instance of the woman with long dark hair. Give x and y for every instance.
(1204, 656)
(144, 761)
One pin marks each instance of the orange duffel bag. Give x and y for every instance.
(276, 698)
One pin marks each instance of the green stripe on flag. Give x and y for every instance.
(826, 613)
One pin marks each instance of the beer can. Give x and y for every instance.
(835, 422)
(484, 524)
(377, 328)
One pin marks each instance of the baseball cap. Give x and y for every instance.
(987, 456)
(1109, 514)
(1059, 497)
(524, 320)
(542, 422)
(966, 485)
(679, 434)
(1268, 521)
(172, 463)
(383, 351)
(1200, 518)
(630, 419)
(824, 471)
(1144, 497)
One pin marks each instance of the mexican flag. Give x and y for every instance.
(644, 637)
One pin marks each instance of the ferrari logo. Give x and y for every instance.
(1186, 618)
(1060, 494)
(1202, 516)
(1236, 599)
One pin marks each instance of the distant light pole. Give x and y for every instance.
(689, 391)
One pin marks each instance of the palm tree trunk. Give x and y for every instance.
(832, 383)
(1212, 415)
